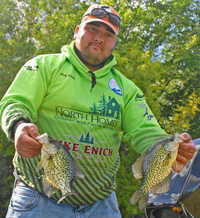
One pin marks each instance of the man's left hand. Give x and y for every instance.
(186, 152)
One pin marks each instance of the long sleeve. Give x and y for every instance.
(138, 121)
(146, 129)
(26, 93)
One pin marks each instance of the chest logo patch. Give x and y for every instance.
(114, 87)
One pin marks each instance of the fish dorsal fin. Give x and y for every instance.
(163, 186)
(78, 172)
(137, 167)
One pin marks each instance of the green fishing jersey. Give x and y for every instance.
(87, 111)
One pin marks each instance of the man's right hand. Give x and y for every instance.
(25, 145)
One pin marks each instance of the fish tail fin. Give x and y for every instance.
(65, 195)
(135, 197)
(143, 202)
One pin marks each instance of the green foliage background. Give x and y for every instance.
(157, 48)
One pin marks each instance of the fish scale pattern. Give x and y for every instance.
(155, 166)
(155, 175)
(59, 168)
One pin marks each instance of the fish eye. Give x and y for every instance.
(51, 140)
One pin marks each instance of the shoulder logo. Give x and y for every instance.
(149, 117)
(139, 97)
(143, 105)
(31, 68)
(114, 87)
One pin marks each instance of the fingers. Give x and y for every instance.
(187, 148)
(182, 160)
(25, 144)
(186, 136)
(186, 152)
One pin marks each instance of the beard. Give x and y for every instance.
(90, 59)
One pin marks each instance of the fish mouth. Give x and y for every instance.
(171, 146)
(179, 138)
(42, 138)
(174, 144)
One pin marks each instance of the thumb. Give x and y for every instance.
(32, 130)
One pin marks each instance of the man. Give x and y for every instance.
(80, 99)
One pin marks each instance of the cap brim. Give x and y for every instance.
(112, 26)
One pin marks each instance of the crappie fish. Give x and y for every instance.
(60, 169)
(155, 166)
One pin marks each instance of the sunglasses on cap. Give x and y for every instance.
(101, 13)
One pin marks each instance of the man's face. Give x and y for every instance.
(94, 44)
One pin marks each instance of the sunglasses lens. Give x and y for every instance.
(97, 12)
(100, 13)
(114, 19)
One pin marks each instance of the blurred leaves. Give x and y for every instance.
(126, 184)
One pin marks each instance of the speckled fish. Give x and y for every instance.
(155, 166)
(60, 169)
